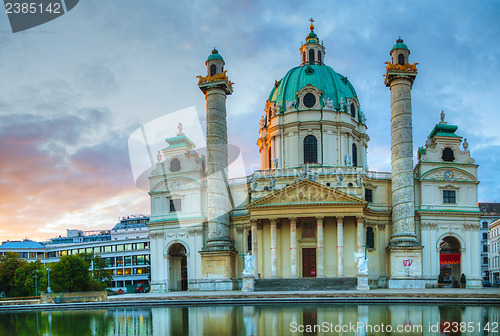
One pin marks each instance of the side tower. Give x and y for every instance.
(218, 253)
(405, 252)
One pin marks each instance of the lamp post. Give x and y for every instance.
(48, 280)
(36, 286)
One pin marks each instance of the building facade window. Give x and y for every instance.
(485, 235)
(249, 241)
(354, 155)
(175, 205)
(401, 59)
(369, 195)
(213, 70)
(485, 248)
(353, 111)
(448, 155)
(449, 196)
(485, 225)
(319, 57)
(310, 149)
(370, 238)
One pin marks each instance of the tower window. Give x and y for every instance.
(309, 100)
(369, 195)
(175, 205)
(311, 56)
(354, 155)
(269, 158)
(353, 111)
(213, 70)
(448, 155)
(175, 165)
(370, 238)
(449, 196)
(310, 149)
(303, 57)
(319, 57)
(401, 59)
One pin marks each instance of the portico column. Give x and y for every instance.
(320, 268)
(255, 247)
(340, 246)
(274, 251)
(293, 246)
(359, 229)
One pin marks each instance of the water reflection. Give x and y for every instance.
(359, 320)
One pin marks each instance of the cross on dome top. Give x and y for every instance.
(312, 24)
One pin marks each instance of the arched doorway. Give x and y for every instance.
(178, 267)
(449, 261)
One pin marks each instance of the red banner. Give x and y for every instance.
(449, 258)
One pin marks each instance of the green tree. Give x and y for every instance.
(70, 274)
(29, 275)
(100, 276)
(8, 266)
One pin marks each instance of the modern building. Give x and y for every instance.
(490, 212)
(314, 210)
(125, 248)
(494, 253)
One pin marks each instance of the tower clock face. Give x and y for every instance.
(448, 175)
(174, 184)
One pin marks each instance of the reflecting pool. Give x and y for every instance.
(321, 319)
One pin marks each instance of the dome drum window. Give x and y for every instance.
(310, 149)
(309, 100)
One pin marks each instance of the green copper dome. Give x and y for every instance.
(215, 55)
(334, 85)
(399, 44)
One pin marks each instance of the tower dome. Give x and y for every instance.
(312, 116)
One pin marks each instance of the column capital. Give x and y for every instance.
(360, 219)
(253, 221)
(340, 220)
(273, 221)
(320, 218)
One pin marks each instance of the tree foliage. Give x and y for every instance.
(28, 276)
(70, 274)
(8, 266)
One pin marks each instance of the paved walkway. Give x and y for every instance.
(379, 293)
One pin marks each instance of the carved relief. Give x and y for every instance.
(155, 234)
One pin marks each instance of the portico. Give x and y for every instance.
(299, 231)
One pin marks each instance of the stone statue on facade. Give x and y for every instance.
(262, 122)
(428, 142)
(253, 181)
(248, 265)
(341, 103)
(290, 104)
(275, 163)
(360, 258)
(465, 144)
(272, 183)
(328, 103)
(358, 179)
(347, 160)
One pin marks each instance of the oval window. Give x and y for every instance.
(309, 100)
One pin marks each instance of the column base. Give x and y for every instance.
(405, 267)
(218, 269)
(158, 287)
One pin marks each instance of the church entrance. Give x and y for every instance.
(177, 267)
(449, 262)
(308, 262)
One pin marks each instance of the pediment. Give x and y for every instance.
(304, 192)
(458, 175)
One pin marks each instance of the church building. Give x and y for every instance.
(313, 216)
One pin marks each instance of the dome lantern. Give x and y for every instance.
(312, 52)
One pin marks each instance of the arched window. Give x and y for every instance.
(401, 59)
(175, 165)
(353, 110)
(310, 149)
(319, 57)
(213, 70)
(370, 238)
(448, 155)
(354, 155)
(311, 56)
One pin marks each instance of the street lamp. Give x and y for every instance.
(36, 286)
(48, 280)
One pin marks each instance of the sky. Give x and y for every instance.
(72, 91)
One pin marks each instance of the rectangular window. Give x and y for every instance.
(119, 271)
(449, 196)
(485, 260)
(485, 235)
(175, 205)
(140, 260)
(128, 261)
(119, 247)
(485, 248)
(134, 260)
(119, 261)
(370, 238)
(128, 246)
(107, 248)
(369, 195)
